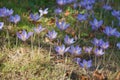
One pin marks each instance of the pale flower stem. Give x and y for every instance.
(104, 58)
(95, 61)
(8, 37)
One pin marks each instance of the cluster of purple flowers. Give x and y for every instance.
(100, 46)
(35, 17)
(87, 4)
(64, 2)
(109, 31)
(4, 12)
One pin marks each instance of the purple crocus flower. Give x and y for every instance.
(86, 64)
(58, 11)
(77, 60)
(98, 52)
(88, 49)
(89, 7)
(109, 31)
(62, 25)
(61, 2)
(39, 29)
(96, 24)
(75, 50)
(68, 40)
(52, 35)
(5, 12)
(118, 45)
(82, 17)
(117, 34)
(34, 17)
(61, 49)
(87, 4)
(15, 19)
(24, 36)
(97, 42)
(107, 7)
(116, 14)
(104, 45)
(1, 25)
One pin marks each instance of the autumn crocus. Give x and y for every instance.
(24, 35)
(109, 31)
(39, 29)
(62, 25)
(77, 60)
(52, 34)
(75, 50)
(88, 49)
(118, 45)
(34, 17)
(96, 24)
(43, 12)
(107, 7)
(1, 25)
(68, 40)
(82, 17)
(61, 49)
(4, 12)
(99, 52)
(61, 2)
(97, 42)
(86, 64)
(104, 45)
(58, 11)
(14, 19)
(116, 13)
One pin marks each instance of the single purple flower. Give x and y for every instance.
(39, 29)
(75, 5)
(118, 45)
(34, 17)
(97, 42)
(61, 49)
(68, 40)
(109, 31)
(89, 7)
(116, 14)
(117, 34)
(107, 7)
(99, 52)
(96, 24)
(52, 35)
(88, 49)
(104, 45)
(62, 25)
(58, 11)
(61, 2)
(77, 60)
(82, 17)
(24, 36)
(75, 50)
(1, 25)
(86, 64)
(15, 19)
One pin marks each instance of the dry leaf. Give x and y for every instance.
(118, 76)
(98, 76)
(67, 13)
(70, 31)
